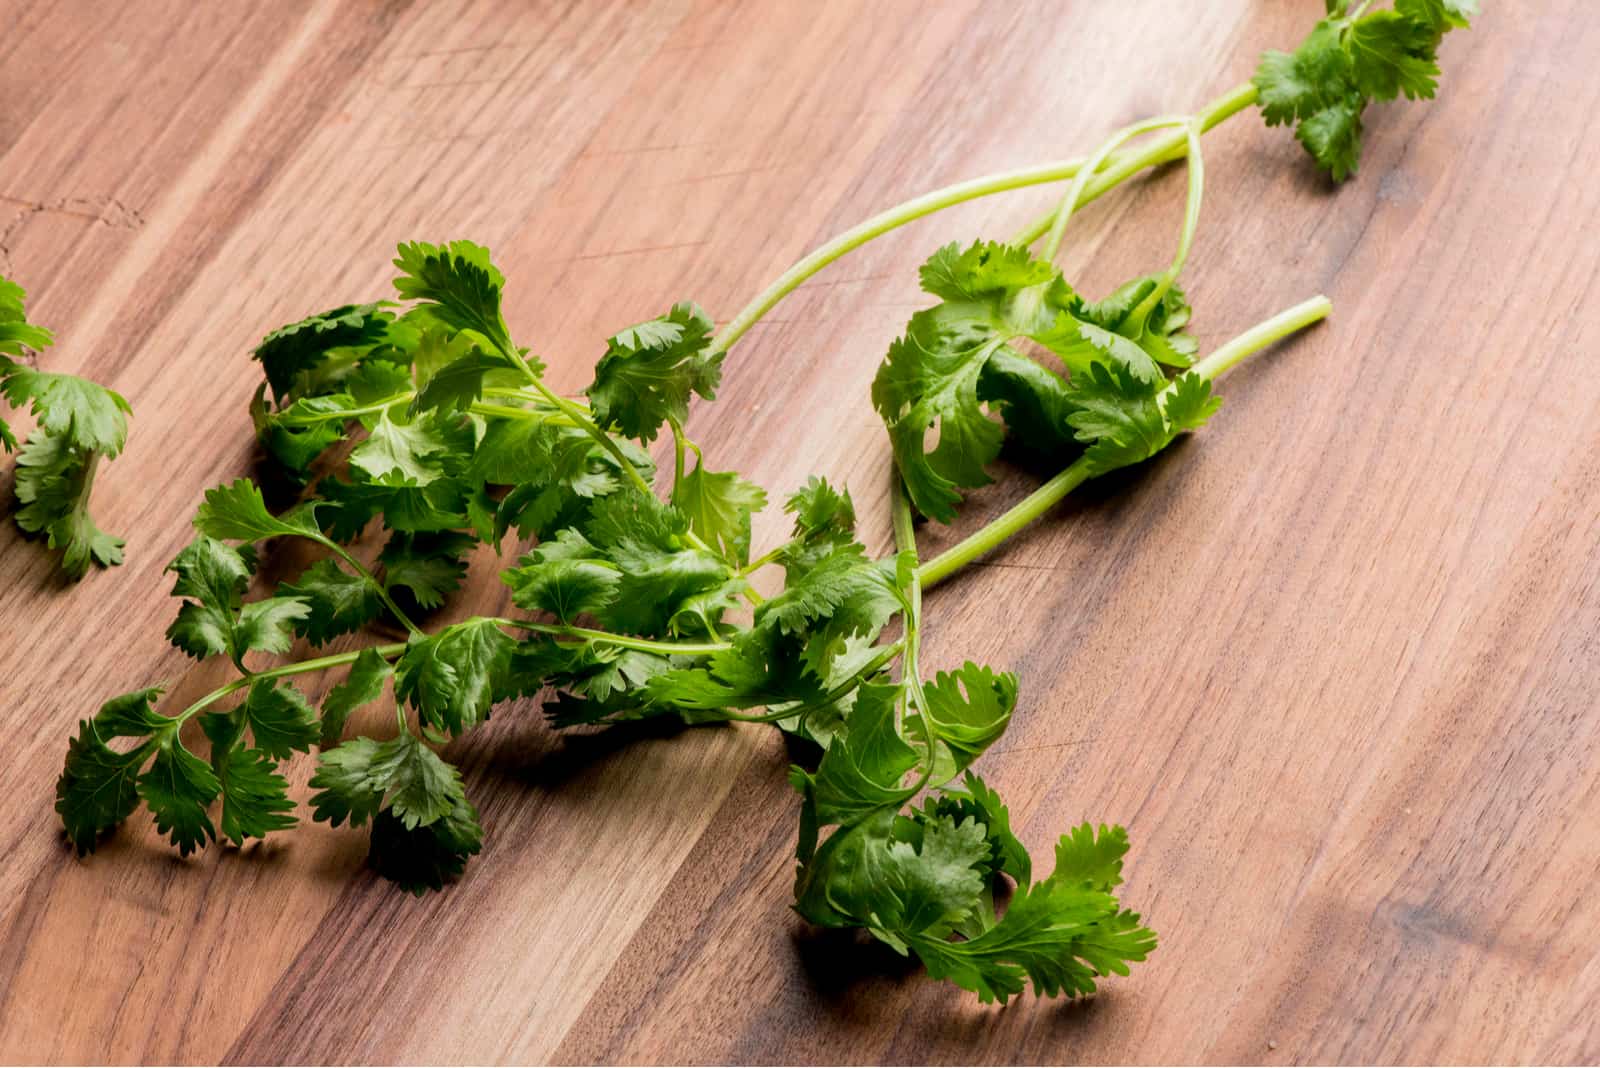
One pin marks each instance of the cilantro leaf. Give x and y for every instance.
(98, 787)
(212, 575)
(968, 709)
(178, 788)
(650, 370)
(83, 414)
(452, 678)
(238, 512)
(457, 285)
(719, 505)
(567, 577)
(53, 484)
(862, 771)
(281, 720)
(16, 333)
(255, 797)
(336, 601)
(363, 685)
(1347, 61)
(290, 352)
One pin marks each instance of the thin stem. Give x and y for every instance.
(1119, 169)
(299, 667)
(677, 453)
(871, 667)
(383, 594)
(1050, 494)
(622, 641)
(1258, 337)
(1069, 201)
(905, 540)
(763, 560)
(1163, 149)
(578, 415)
(1191, 222)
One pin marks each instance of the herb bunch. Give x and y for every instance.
(424, 426)
(79, 423)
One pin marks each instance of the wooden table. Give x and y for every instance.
(1333, 661)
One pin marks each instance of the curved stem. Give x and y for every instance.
(1118, 169)
(1069, 201)
(871, 667)
(1163, 149)
(1191, 222)
(1050, 494)
(383, 593)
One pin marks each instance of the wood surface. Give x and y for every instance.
(1333, 661)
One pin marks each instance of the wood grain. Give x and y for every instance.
(1332, 661)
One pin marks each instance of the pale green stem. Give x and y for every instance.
(1158, 150)
(1069, 201)
(1051, 493)
(1191, 222)
(621, 641)
(300, 667)
(1118, 169)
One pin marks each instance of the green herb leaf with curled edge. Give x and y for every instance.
(80, 423)
(1348, 60)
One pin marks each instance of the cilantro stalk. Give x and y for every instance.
(1047, 496)
(1118, 169)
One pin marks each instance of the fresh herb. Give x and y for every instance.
(79, 424)
(637, 604)
(1349, 59)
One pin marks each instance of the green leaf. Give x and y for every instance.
(451, 678)
(429, 565)
(98, 786)
(337, 601)
(459, 384)
(363, 685)
(719, 505)
(84, 414)
(420, 787)
(345, 786)
(1090, 859)
(567, 577)
(178, 788)
(281, 720)
(292, 351)
(650, 370)
(425, 858)
(1392, 54)
(53, 485)
(238, 512)
(1296, 85)
(1333, 137)
(1059, 935)
(1439, 15)
(457, 284)
(863, 771)
(969, 709)
(255, 798)
(934, 375)
(412, 454)
(268, 625)
(16, 333)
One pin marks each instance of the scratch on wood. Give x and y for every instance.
(106, 211)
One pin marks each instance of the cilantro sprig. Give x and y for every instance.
(79, 424)
(424, 436)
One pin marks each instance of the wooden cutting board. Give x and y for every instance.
(1333, 661)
